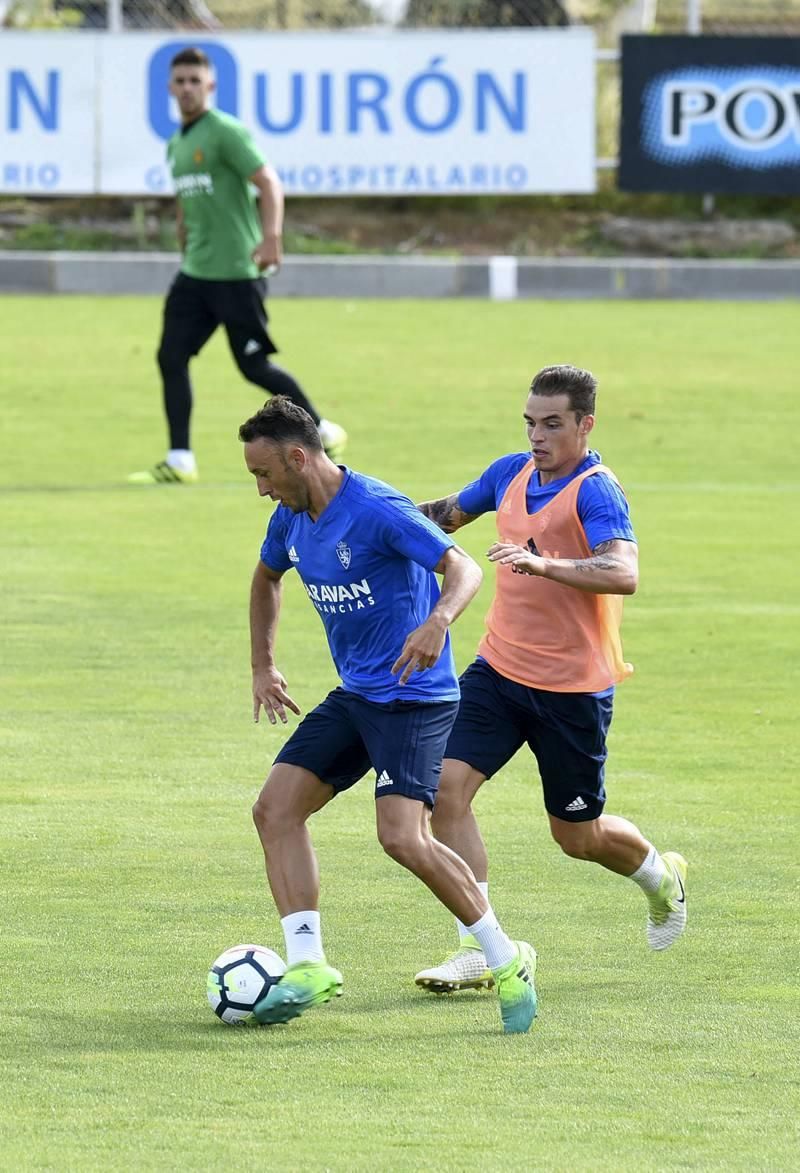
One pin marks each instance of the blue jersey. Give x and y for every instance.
(602, 508)
(367, 566)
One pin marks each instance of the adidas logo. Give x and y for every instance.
(304, 928)
(251, 346)
(295, 557)
(384, 780)
(577, 804)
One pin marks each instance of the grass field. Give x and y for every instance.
(130, 761)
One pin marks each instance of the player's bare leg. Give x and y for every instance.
(612, 842)
(287, 800)
(618, 845)
(454, 824)
(404, 832)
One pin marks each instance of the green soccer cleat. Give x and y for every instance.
(465, 969)
(666, 916)
(162, 474)
(516, 991)
(306, 984)
(334, 441)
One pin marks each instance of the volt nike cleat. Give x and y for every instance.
(666, 917)
(516, 991)
(163, 474)
(465, 969)
(306, 984)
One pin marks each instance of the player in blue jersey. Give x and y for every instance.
(545, 673)
(367, 559)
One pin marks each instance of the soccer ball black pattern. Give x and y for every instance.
(239, 978)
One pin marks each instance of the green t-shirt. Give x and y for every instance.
(210, 161)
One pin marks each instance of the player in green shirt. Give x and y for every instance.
(228, 242)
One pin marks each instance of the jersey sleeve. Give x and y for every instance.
(603, 511)
(406, 531)
(239, 151)
(273, 549)
(485, 494)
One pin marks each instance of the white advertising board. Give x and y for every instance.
(48, 120)
(347, 113)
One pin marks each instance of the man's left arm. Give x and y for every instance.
(460, 583)
(269, 251)
(611, 569)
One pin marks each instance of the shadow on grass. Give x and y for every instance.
(64, 1033)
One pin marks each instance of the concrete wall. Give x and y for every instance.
(501, 278)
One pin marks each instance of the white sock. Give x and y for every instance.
(182, 459)
(497, 947)
(301, 933)
(463, 931)
(651, 873)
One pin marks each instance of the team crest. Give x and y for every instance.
(343, 554)
(198, 156)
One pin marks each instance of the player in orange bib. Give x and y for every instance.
(546, 668)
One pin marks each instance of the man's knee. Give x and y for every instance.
(394, 841)
(262, 814)
(402, 844)
(254, 367)
(272, 814)
(578, 840)
(457, 787)
(288, 798)
(171, 360)
(451, 805)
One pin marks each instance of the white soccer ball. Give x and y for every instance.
(239, 978)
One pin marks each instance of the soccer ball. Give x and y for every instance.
(239, 978)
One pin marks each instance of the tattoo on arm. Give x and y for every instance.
(602, 557)
(446, 514)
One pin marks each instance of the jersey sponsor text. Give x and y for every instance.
(338, 597)
(192, 185)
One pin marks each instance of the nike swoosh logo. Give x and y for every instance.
(682, 896)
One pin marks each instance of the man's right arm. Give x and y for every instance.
(446, 513)
(269, 250)
(269, 686)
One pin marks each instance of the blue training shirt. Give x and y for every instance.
(367, 566)
(602, 508)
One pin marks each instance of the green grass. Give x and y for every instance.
(130, 761)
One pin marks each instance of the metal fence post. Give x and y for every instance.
(114, 22)
(694, 17)
(694, 27)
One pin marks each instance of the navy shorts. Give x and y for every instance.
(566, 732)
(402, 741)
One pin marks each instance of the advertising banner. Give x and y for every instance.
(48, 95)
(347, 113)
(710, 114)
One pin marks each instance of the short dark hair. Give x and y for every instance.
(190, 57)
(283, 422)
(578, 385)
